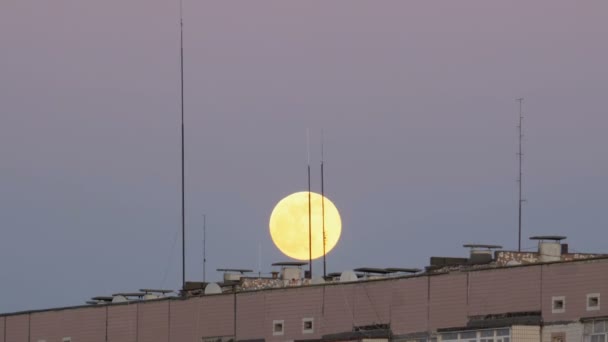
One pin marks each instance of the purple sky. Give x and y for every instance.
(417, 101)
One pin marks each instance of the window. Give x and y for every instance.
(66, 339)
(593, 301)
(278, 327)
(308, 326)
(558, 304)
(492, 335)
(596, 331)
(558, 337)
(470, 336)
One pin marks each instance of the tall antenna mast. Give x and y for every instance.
(323, 209)
(309, 209)
(181, 55)
(204, 246)
(520, 177)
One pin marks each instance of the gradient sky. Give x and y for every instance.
(416, 98)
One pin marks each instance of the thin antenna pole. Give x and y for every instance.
(309, 209)
(259, 259)
(181, 55)
(323, 208)
(520, 177)
(204, 247)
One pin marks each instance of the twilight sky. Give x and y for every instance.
(416, 99)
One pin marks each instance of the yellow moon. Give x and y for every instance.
(289, 225)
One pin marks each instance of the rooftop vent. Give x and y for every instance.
(317, 280)
(480, 254)
(233, 274)
(127, 296)
(372, 273)
(438, 262)
(212, 288)
(549, 247)
(290, 270)
(154, 293)
(100, 300)
(347, 276)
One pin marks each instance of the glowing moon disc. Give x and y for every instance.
(289, 225)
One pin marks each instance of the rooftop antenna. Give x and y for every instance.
(520, 177)
(204, 247)
(309, 208)
(259, 259)
(323, 208)
(181, 56)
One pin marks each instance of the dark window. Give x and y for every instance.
(593, 301)
(558, 304)
(558, 337)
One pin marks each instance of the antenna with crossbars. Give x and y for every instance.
(181, 56)
(520, 177)
(309, 209)
(323, 209)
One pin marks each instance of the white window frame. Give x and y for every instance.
(282, 323)
(555, 299)
(495, 337)
(312, 324)
(590, 330)
(593, 308)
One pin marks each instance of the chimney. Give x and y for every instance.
(549, 247)
(480, 254)
(291, 270)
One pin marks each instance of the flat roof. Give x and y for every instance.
(403, 270)
(548, 237)
(155, 290)
(290, 263)
(600, 258)
(129, 294)
(372, 270)
(473, 245)
(240, 270)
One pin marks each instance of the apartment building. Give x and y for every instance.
(548, 295)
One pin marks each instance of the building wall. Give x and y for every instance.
(2, 326)
(522, 333)
(291, 306)
(338, 307)
(372, 302)
(182, 320)
(85, 324)
(122, 323)
(153, 321)
(46, 326)
(574, 281)
(17, 328)
(498, 291)
(201, 317)
(409, 305)
(573, 332)
(215, 316)
(448, 301)
(250, 320)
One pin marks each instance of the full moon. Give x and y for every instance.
(289, 225)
